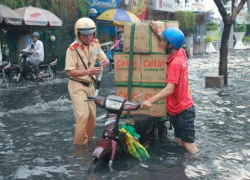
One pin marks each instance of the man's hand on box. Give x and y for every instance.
(154, 27)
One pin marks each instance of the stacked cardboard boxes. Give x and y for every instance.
(149, 66)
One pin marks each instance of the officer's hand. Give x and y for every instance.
(146, 105)
(95, 70)
(104, 62)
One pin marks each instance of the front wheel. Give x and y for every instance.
(97, 165)
(4, 81)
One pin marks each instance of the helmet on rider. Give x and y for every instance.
(84, 26)
(35, 34)
(174, 36)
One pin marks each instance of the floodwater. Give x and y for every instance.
(37, 127)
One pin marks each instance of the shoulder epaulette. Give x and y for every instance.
(95, 40)
(74, 45)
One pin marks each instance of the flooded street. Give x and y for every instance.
(37, 128)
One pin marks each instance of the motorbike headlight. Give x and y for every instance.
(115, 105)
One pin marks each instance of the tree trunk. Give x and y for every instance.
(224, 52)
(248, 25)
(228, 22)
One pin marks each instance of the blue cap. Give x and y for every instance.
(175, 36)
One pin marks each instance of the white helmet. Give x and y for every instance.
(85, 26)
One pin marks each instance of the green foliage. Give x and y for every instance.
(217, 35)
(240, 28)
(15, 4)
(246, 39)
(186, 19)
(67, 11)
(208, 39)
(211, 26)
(83, 9)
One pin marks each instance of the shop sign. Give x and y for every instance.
(163, 5)
(103, 5)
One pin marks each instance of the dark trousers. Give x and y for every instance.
(35, 65)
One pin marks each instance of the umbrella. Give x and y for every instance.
(38, 17)
(9, 16)
(117, 17)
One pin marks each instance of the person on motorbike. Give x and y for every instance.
(118, 46)
(81, 57)
(179, 104)
(37, 54)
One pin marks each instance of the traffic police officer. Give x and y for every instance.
(81, 57)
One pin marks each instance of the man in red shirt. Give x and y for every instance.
(179, 104)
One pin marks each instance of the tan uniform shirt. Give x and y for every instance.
(89, 56)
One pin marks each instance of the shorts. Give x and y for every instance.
(184, 125)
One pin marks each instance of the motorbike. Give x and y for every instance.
(110, 145)
(110, 53)
(5, 74)
(25, 71)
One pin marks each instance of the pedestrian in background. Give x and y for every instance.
(179, 104)
(81, 57)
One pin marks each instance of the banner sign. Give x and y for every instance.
(139, 8)
(103, 5)
(163, 5)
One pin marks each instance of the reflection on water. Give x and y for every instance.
(37, 127)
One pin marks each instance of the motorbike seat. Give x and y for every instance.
(4, 63)
(144, 123)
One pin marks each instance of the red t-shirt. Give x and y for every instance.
(177, 73)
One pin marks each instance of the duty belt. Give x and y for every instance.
(82, 82)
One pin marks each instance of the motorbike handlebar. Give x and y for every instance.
(113, 102)
(25, 53)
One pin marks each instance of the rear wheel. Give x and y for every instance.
(4, 81)
(49, 74)
(15, 76)
(110, 66)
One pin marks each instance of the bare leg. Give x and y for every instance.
(191, 147)
(180, 142)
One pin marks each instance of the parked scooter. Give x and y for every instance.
(110, 145)
(25, 71)
(109, 53)
(5, 74)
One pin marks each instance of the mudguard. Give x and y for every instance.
(103, 147)
(15, 67)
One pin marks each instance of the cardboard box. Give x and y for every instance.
(141, 38)
(145, 41)
(121, 67)
(158, 108)
(169, 24)
(156, 41)
(123, 91)
(153, 67)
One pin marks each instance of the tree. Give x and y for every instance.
(228, 20)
